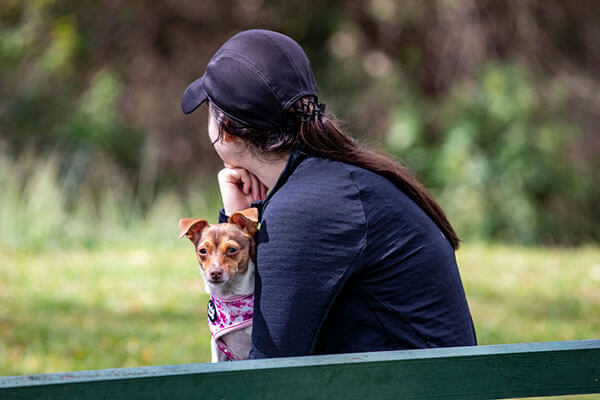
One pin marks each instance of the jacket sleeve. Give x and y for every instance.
(311, 241)
(222, 216)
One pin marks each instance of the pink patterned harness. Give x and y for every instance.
(228, 315)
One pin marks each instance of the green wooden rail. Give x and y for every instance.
(483, 372)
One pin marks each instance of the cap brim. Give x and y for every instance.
(194, 96)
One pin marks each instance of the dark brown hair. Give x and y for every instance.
(319, 136)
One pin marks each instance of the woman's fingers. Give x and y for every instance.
(263, 190)
(235, 184)
(259, 189)
(239, 188)
(246, 180)
(239, 177)
(255, 191)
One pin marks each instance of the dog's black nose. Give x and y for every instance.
(216, 274)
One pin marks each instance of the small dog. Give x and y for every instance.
(227, 257)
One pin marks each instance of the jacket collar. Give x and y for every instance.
(295, 158)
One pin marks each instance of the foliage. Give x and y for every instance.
(48, 104)
(501, 163)
(42, 208)
(493, 103)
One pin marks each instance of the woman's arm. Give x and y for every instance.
(239, 188)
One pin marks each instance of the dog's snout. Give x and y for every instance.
(216, 274)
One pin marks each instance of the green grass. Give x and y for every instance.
(532, 294)
(77, 309)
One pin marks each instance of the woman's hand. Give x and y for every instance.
(239, 188)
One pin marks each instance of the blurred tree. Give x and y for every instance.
(502, 165)
(494, 103)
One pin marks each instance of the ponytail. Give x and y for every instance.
(322, 137)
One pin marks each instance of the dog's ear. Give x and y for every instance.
(246, 220)
(192, 228)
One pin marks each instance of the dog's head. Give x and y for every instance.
(223, 250)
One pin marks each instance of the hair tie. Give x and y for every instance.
(305, 113)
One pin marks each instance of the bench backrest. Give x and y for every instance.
(482, 372)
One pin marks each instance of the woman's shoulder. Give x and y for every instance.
(318, 187)
(322, 167)
(317, 177)
(338, 178)
(318, 180)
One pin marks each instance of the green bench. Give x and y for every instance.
(483, 372)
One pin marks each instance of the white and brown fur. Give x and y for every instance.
(227, 256)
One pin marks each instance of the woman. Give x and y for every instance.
(352, 254)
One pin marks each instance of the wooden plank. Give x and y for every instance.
(500, 371)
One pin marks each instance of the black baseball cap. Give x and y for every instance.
(255, 77)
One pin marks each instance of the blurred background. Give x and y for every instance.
(495, 104)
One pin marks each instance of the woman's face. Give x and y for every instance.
(229, 148)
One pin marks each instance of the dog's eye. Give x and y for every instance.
(231, 250)
(202, 251)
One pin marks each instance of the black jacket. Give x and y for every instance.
(346, 262)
